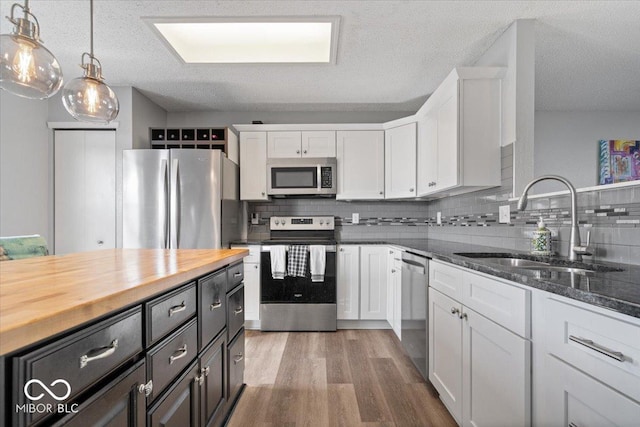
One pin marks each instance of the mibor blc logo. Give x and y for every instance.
(35, 390)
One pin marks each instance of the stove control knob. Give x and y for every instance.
(277, 221)
(321, 222)
(284, 221)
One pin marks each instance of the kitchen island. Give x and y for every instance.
(123, 311)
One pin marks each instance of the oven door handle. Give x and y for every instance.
(328, 248)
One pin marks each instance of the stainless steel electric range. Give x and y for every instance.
(299, 303)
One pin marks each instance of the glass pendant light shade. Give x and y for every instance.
(27, 68)
(89, 99)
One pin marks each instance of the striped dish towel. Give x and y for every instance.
(297, 263)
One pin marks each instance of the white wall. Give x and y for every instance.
(515, 49)
(567, 143)
(24, 167)
(146, 114)
(228, 118)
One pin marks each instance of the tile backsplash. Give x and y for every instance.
(612, 216)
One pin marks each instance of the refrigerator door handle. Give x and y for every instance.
(175, 204)
(165, 180)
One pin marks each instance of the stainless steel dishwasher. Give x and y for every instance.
(415, 279)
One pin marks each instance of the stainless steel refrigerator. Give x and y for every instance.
(179, 199)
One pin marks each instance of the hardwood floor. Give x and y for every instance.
(346, 378)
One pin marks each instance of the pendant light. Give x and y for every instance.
(27, 68)
(88, 98)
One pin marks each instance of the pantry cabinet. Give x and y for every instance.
(400, 162)
(479, 362)
(253, 166)
(459, 134)
(360, 156)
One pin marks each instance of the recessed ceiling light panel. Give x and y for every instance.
(237, 40)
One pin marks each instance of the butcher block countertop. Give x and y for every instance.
(41, 297)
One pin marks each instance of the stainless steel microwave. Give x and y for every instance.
(304, 176)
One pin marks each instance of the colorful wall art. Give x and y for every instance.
(619, 161)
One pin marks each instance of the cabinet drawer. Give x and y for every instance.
(235, 311)
(171, 356)
(254, 253)
(235, 275)
(235, 354)
(80, 359)
(212, 316)
(166, 313)
(446, 279)
(507, 305)
(593, 342)
(575, 399)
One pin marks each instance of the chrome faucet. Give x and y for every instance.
(576, 250)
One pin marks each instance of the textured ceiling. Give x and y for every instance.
(391, 54)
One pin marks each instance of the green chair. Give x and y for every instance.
(20, 247)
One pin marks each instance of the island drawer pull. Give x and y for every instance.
(238, 310)
(99, 353)
(216, 304)
(237, 274)
(177, 309)
(617, 355)
(238, 358)
(179, 354)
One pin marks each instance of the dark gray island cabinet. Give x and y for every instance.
(174, 359)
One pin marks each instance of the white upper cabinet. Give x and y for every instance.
(360, 157)
(284, 144)
(301, 144)
(319, 144)
(400, 161)
(459, 134)
(253, 166)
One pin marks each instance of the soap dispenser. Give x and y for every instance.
(541, 240)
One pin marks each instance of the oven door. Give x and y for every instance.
(304, 176)
(298, 290)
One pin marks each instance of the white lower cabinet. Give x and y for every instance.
(482, 369)
(394, 290)
(251, 285)
(373, 279)
(348, 282)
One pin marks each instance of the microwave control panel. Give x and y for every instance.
(326, 177)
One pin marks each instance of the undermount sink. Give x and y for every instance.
(532, 262)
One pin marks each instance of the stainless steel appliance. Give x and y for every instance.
(305, 176)
(179, 198)
(298, 303)
(415, 279)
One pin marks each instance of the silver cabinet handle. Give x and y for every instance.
(411, 190)
(255, 266)
(263, 193)
(238, 358)
(304, 152)
(573, 425)
(297, 151)
(341, 249)
(237, 274)
(617, 355)
(205, 371)
(146, 388)
(179, 354)
(99, 353)
(381, 193)
(297, 295)
(393, 270)
(455, 310)
(238, 310)
(177, 308)
(464, 316)
(100, 242)
(216, 304)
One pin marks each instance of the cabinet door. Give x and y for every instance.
(284, 144)
(448, 164)
(253, 166)
(212, 369)
(397, 298)
(427, 173)
(360, 165)
(319, 144)
(392, 253)
(496, 372)
(235, 358)
(85, 191)
(348, 281)
(120, 403)
(373, 282)
(445, 351)
(573, 398)
(400, 162)
(181, 406)
(251, 291)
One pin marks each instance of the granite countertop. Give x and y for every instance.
(616, 290)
